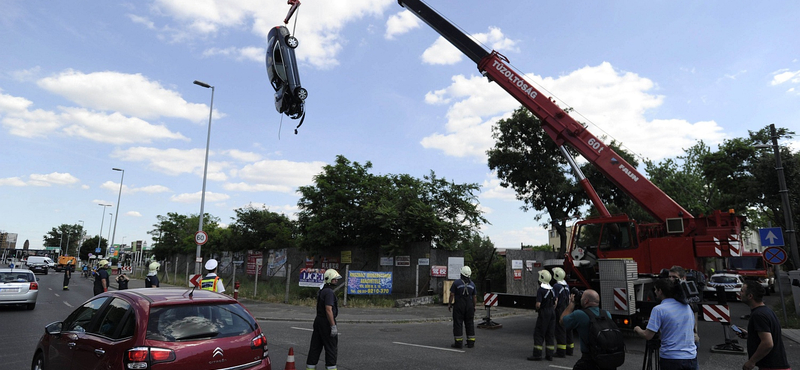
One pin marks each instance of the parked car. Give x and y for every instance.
(18, 287)
(282, 72)
(165, 328)
(40, 267)
(732, 283)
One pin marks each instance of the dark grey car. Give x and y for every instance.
(282, 71)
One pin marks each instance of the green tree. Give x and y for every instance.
(174, 234)
(348, 206)
(528, 161)
(66, 237)
(481, 256)
(260, 229)
(683, 180)
(89, 246)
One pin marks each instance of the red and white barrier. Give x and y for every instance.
(490, 299)
(716, 313)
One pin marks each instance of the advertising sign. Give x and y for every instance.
(438, 271)
(454, 265)
(312, 277)
(517, 274)
(347, 257)
(516, 264)
(369, 282)
(276, 261)
(402, 261)
(387, 261)
(330, 263)
(252, 259)
(424, 261)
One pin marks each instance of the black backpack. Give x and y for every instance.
(606, 343)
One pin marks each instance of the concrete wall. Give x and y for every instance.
(529, 282)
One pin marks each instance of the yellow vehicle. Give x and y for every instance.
(63, 261)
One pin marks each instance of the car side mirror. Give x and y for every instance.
(54, 328)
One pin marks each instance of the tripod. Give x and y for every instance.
(651, 354)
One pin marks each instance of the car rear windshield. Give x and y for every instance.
(725, 279)
(17, 277)
(196, 322)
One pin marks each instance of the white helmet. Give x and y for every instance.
(559, 274)
(330, 275)
(466, 271)
(211, 264)
(154, 266)
(544, 277)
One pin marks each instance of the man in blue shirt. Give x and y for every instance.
(675, 321)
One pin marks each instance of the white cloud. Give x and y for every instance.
(319, 25)
(783, 76)
(175, 161)
(114, 128)
(21, 121)
(143, 21)
(195, 197)
(151, 189)
(614, 100)
(493, 190)
(401, 23)
(55, 178)
(443, 52)
(276, 175)
(250, 53)
(133, 214)
(25, 75)
(130, 94)
(12, 181)
(243, 156)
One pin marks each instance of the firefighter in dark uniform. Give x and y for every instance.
(564, 343)
(464, 293)
(326, 334)
(546, 321)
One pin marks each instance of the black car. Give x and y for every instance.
(39, 267)
(282, 71)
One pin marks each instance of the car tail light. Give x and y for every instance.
(144, 357)
(34, 286)
(260, 342)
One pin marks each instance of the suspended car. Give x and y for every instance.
(282, 72)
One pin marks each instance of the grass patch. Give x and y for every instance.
(794, 321)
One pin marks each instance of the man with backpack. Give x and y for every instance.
(675, 322)
(602, 343)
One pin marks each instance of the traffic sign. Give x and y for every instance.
(771, 237)
(775, 255)
(200, 237)
(195, 280)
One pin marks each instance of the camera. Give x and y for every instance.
(578, 294)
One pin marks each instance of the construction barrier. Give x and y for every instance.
(716, 313)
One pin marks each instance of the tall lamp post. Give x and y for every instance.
(198, 256)
(787, 210)
(102, 220)
(116, 217)
(80, 241)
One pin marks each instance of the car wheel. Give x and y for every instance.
(38, 361)
(31, 306)
(292, 41)
(301, 93)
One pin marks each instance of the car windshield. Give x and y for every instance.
(192, 322)
(17, 277)
(747, 263)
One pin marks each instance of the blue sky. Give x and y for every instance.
(89, 86)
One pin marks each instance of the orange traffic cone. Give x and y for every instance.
(290, 360)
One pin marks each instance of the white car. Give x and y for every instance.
(18, 287)
(732, 283)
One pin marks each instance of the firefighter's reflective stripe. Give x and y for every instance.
(209, 284)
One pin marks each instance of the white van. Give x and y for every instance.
(41, 259)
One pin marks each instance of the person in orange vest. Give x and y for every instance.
(212, 282)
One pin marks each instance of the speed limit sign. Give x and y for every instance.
(200, 237)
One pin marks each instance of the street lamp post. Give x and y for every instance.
(102, 220)
(109, 232)
(116, 217)
(784, 192)
(198, 255)
(81, 239)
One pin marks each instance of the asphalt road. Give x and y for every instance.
(365, 346)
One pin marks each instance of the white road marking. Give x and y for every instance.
(431, 347)
(67, 303)
(306, 329)
(561, 367)
(57, 295)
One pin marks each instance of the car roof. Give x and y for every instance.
(170, 296)
(15, 269)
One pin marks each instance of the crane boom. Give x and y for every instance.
(562, 128)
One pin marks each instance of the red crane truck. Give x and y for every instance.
(613, 254)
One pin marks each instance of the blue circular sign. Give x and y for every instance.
(775, 255)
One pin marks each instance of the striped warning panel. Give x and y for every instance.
(621, 299)
(716, 313)
(490, 299)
